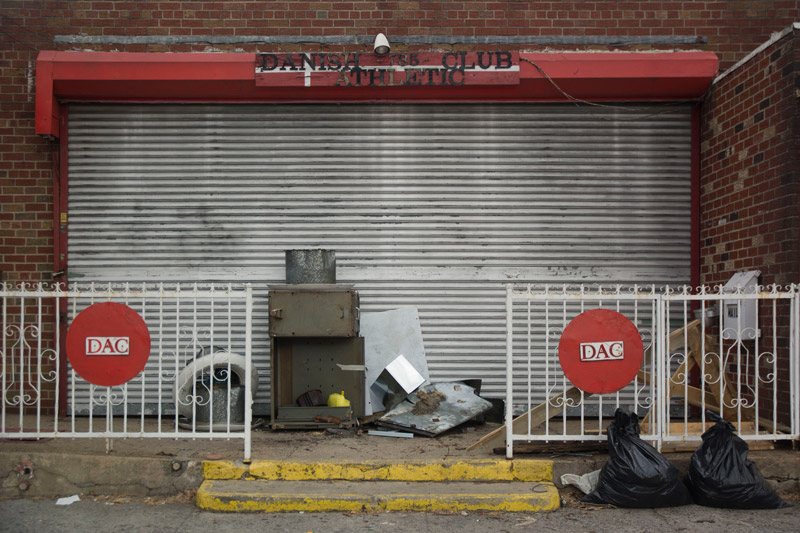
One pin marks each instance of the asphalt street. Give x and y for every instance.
(180, 514)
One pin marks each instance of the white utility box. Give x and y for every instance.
(739, 316)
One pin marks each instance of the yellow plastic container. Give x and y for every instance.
(338, 400)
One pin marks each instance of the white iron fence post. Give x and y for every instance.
(509, 372)
(248, 401)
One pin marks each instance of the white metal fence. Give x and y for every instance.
(739, 358)
(199, 370)
(732, 352)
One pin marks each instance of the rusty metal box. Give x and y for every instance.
(313, 311)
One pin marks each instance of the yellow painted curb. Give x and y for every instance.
(209, 497)
(278, 503)
(473, 502)
(478, 470)
(223, 470)
(532, 469)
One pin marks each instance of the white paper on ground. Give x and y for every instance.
(68, 500)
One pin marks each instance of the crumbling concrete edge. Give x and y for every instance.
(25, 475)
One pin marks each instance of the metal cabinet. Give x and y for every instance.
(314, 346)
(313, 311)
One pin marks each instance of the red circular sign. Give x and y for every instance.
(600, 351)
(108, 344)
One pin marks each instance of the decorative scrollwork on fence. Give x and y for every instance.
(23, 367)
(196, 343)
(197, 397)
(52, 356)
(645, 401)
(742, 401)
(641, 396)
(555, 332)
(108, 396)
(193, 342)
(677, 359)
(711, 360)
(738, 349)
(168, 372)
(203, 386)
(564, 401)
(767, 359)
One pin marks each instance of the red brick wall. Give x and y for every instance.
(730, 28)
(26, 234)
(749, 192)
(749, 197)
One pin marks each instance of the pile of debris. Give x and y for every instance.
(333, 367)
(400, 400)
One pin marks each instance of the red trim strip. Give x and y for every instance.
(695, 199)
(198, 77)
(60, 193)
(46, 105)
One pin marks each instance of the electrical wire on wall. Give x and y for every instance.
(580, 103)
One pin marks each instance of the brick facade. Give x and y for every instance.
(749, 192)
(750, 216)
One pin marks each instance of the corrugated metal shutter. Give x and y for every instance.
(433, 206)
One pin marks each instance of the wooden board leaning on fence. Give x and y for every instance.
(719, 392)
(719, 395)
(678, 384)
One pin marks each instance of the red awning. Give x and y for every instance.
(231, 78)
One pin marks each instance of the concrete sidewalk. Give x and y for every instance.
(149, 466)
(163, 467)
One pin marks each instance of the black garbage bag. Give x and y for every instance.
(636, 475)
(720, 475)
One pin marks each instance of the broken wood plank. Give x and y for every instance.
(773, 427)
(690, 338)
(675, 340)
(555, 447)
(690, 446)
(694, 396)
(536, 416)
(696, 428)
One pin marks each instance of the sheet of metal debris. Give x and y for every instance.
(386, 335)
(433, 409)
